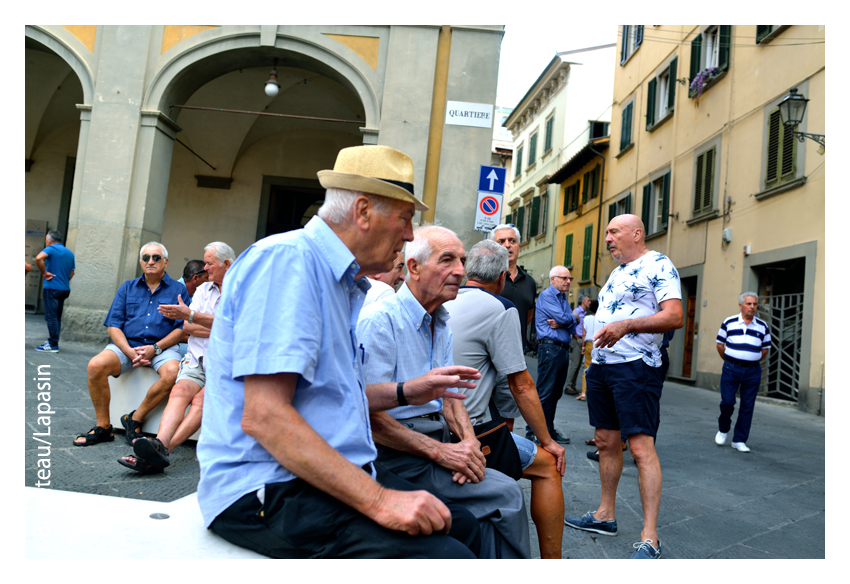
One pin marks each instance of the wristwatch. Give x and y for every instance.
(156, 350)
(191, 317)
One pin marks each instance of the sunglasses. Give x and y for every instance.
(156, 257)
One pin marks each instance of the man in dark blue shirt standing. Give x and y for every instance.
(141, 337)
(56, 263)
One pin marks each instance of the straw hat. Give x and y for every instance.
(378, 170)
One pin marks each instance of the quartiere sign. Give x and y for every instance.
(459, 113)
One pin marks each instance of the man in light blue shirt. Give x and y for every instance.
(555, 326)
(286, 455)
(405, 336)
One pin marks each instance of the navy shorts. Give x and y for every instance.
(624, 397)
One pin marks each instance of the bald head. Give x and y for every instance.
(625, 238)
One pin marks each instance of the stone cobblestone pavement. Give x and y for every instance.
(716, 502)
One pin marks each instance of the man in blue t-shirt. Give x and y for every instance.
(56, 263)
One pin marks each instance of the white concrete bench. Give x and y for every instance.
(128, 391)
(57, 522)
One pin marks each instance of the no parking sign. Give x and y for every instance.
(488, 211)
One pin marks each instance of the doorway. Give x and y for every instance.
(287, 204)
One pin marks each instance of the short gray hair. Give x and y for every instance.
(582, 297)
(486, 261)
(743, 294)
(223, 252)
(162, 247)
(506, 226)
(55, 236)
(420, 248)
(336, 208)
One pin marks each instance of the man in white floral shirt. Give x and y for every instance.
(641, 300)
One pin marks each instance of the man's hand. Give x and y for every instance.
(464, 459)
(143, 356)
(414, 512)
(434, 384)
(48, 276)
(557, 451)
(552, 323)
(177, 311)
(610, 334)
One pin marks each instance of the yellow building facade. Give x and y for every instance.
(734, 198)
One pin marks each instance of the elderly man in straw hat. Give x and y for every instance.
(287, 457)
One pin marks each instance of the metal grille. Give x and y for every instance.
(784, 316)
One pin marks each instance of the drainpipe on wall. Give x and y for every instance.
(438, 115)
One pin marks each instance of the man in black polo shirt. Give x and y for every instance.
(519, 286)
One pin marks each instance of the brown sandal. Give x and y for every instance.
(581, 397)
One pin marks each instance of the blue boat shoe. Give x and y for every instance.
(645, 551)
(588, 523)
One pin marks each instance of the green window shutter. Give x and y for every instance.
(549, 126)
(626, 127)
(665, 207)
(513, 216)
(650, 102)
(624, 49)
(696, 46)
(585, 253)
(532, 150)
(671, 84)
(762, 30)
(568, 251)
(535, 217)
(566, 199)
(725, 47)
(544, 203)
(638, 35)
(781, 152)
(520, 223)
(704, 182)
(597, 172)
(584, 187)
(518, 162)
(628, 204)
(646, 206)
(612, 211)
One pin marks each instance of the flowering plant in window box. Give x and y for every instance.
(701, 80)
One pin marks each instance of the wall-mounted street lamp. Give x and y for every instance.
(272, 86)
(791, 110)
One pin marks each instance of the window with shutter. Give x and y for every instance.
(696, 62)
(574, 196)
(704, 182)
(597, 181)
(532, 150)
(762, 30)
(566, 196)
(568, 251)
(646, 207)
(535, 217)
(650, 103)
(586, 252)
(781, 152)
(585, 187)
(518, 162)
(550, 123)
(626, 127)
(612, 211)
(544, 209)
(671, 85)
(632, 37)
(520, 223)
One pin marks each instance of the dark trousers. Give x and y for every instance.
(748, 380)
(298, 520)
(552, 366)
(54, 302)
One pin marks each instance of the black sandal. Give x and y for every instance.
(141, 466)
(152, 450)
(132, 427)
(95, 436)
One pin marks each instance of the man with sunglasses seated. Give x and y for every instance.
(141, 337)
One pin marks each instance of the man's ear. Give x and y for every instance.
(413, 268)
(362, 209)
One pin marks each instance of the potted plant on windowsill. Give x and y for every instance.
(701, 80)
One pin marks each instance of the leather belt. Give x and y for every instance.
(554, 342)
(741, 363)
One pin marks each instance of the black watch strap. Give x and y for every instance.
(400, 394)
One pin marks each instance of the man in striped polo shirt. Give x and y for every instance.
(743, 341)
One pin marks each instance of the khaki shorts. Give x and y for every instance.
(196, 374)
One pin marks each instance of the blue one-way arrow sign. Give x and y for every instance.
(492, 179)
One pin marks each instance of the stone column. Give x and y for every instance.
(121, 180)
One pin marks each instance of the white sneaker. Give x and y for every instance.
(720, 438)
(740, 447)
